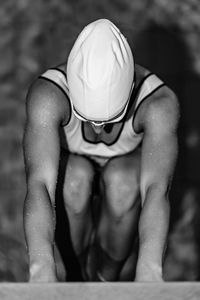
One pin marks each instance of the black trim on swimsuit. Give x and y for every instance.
(132, 99)
(61, 89)
(57, 69)
(98, 142)
(135, 92)
(141, 83)
(158, 87)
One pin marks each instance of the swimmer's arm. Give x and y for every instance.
(159, 154)
(41, 152)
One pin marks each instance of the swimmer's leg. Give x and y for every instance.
(77, 191)
(129, 268)
(119, 217)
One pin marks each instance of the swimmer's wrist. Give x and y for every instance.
(148, 271)
(41, 266)
(42, 272)
(41, 253)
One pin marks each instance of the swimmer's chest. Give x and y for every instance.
(109, 134)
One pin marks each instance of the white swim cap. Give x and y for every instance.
(100, 72)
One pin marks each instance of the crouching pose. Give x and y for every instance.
(113, 117)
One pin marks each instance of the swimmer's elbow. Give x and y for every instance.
(41, 185)
(155, 191)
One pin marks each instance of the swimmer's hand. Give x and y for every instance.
(149, 273)
(41, 272)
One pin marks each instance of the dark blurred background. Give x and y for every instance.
(165, 37)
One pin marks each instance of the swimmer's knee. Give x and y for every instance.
(78, 184)
(122, 192)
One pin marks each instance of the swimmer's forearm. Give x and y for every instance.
(39, 225)
(153, 230)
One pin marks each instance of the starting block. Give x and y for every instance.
(101, 291)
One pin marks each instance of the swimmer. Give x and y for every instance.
(111, 116)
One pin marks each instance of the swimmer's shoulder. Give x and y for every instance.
(161, 104)
(45, 96)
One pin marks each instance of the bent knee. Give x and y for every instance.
(78, 185)
(122, 200)
(121, 190)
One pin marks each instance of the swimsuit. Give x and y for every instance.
(115, 139)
